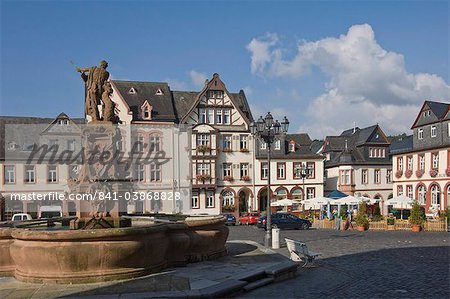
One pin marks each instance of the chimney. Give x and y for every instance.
(354, 127)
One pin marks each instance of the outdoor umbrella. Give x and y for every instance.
(318, 201)
(401, 201)
(283, 203)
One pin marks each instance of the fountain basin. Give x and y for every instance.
(7, 265)
(80, 256)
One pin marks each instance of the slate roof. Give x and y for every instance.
(348, 148)
(23, 135)
(172, 105)
(162, 105)
(402, 145)
(303, 148)
(439, 110)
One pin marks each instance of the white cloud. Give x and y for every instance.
(197, 78)
(367, 84)
(176, 84)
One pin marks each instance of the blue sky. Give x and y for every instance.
(325, 64)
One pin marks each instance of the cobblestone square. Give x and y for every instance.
(371, 264)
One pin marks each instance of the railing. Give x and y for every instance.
(430, 225)
(436, 225)
(378, 225)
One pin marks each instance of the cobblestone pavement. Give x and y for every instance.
(371, 264)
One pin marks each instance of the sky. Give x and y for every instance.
(324, 64)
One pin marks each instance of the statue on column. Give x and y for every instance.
(94, 78)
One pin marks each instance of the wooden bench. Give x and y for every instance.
(297, 248)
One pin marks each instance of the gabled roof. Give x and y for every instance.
(301, 139)
(438, 109)
(238, 99)
(163, 108)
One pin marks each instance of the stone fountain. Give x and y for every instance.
(100, 245)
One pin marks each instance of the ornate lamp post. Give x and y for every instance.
(266, 130)
(304, 171)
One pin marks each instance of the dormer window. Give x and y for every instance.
(426, 113)
(292, 147)
(159, 92)
(132, 90)
(146, 111)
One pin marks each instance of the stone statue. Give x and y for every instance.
(108, 105)
(94, 81)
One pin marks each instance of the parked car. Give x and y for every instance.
(285, 221)
(229, 219)
(249, 218)
(46, 212)
(21, 217)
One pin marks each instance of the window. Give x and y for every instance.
(264, 170)
(292, 147)
(263, 146)
(297, 194)
(228, 198)
(10, 174)
(281, 170)
(435, 195)
(53, 142)
(155, 172)
(420, 134)
(71, 145)
(244, 170)
(277, 144)
(399, 190)
(227, 142)
(219, 116)
(409, 160)
(227, 170)
(426, 113)
(389, 176)
(409, 191)
(297, 167)
(400, 163)
(422, 162)
(226, 116)
(210, 199)
(194, 200)
(146, 112)
(421, 191)
(243, 142)
(435, 160)
(310, 192)
(29, 174)
(159, 92)
(210, 116)
(155, 144)
(377, 152)
(202, 115)
(202, 139)
(448, 129)
(345, 177)
(139, 173)
(52, 175)
(433, 131)
(202, 168)
(311, 170)
(377, 177)
(364, 176)
(140, 144)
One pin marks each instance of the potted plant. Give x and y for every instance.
(420, 173)
(203, 148)
(362, 223)
(377, 214)
(416, 217)
(408, 173)
(228, 178)
(447, 171)
(203, 177)
(433, 173)
(399, 174)
(228, 208)
(245, 178)
(244, 150)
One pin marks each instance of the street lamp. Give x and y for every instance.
(266, 130)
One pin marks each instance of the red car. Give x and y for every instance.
(249, 218)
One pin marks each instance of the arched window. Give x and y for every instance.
(297, 194)
(448, 196)
(228, 198)
(281, 193)
(435, 195)
(421, 192)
